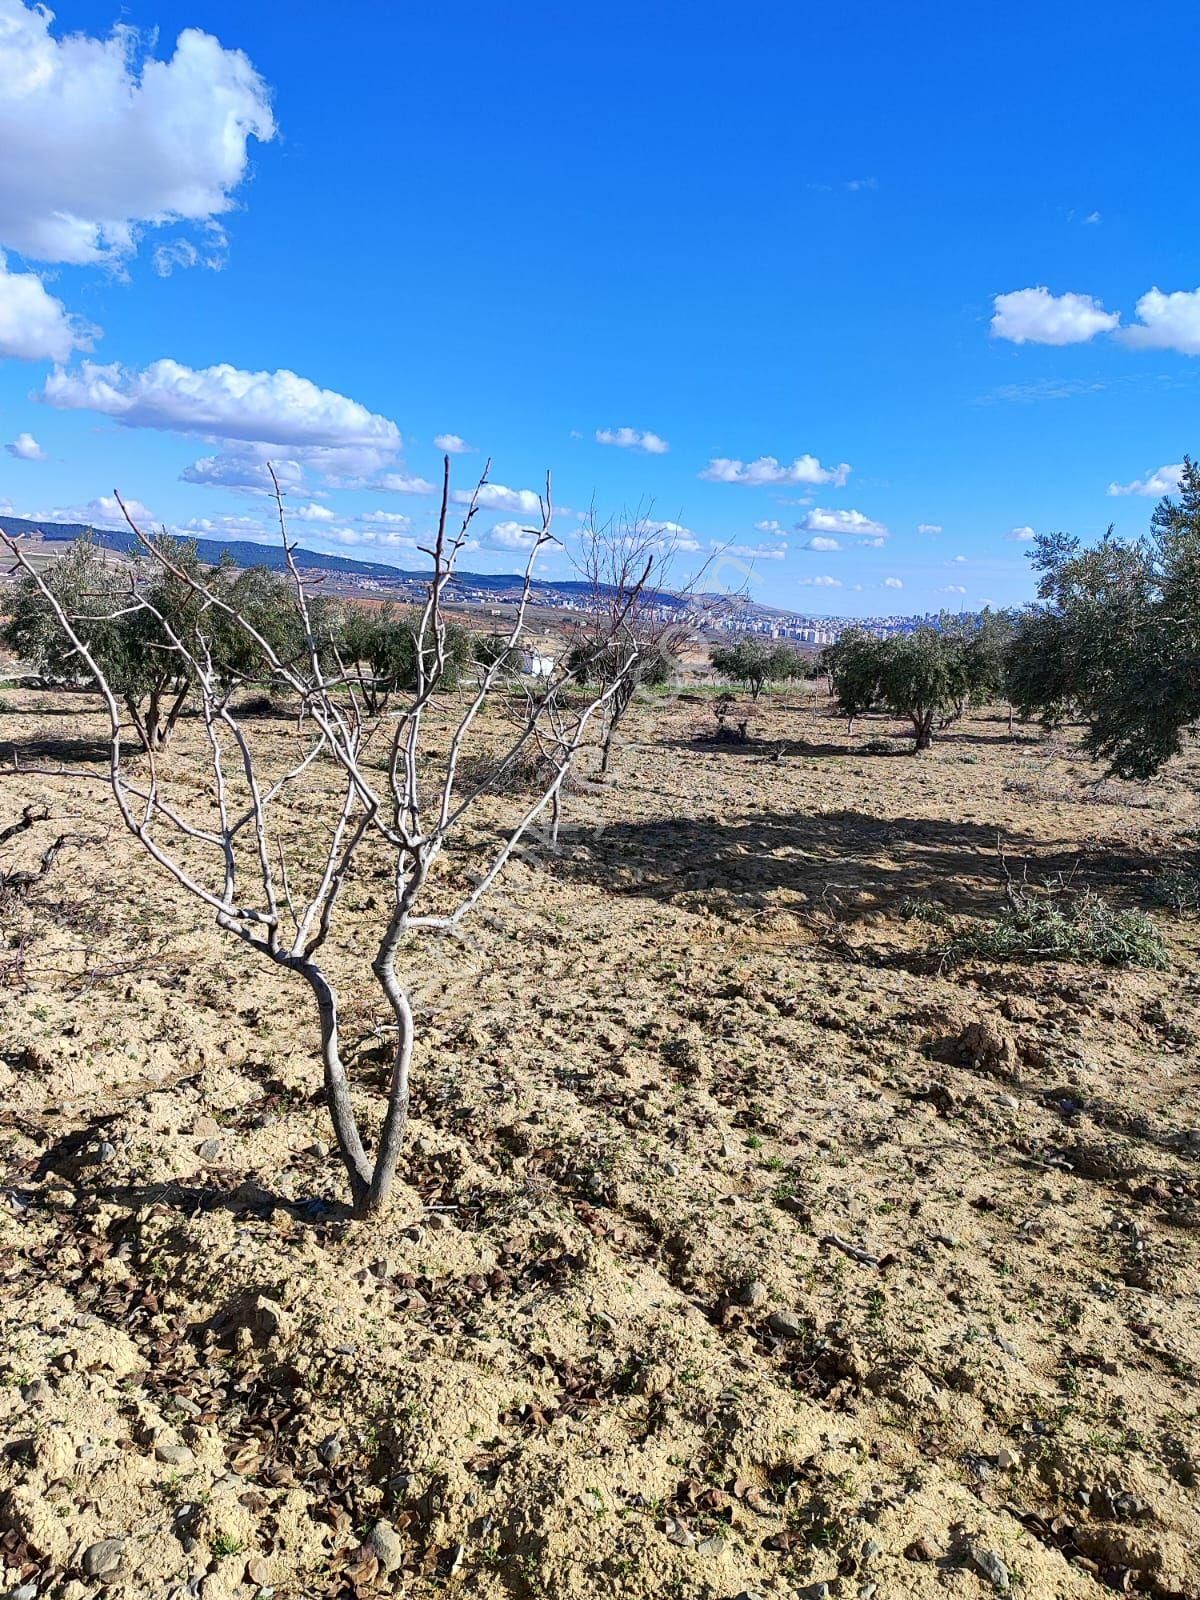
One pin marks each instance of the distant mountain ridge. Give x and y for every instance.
(246, 553)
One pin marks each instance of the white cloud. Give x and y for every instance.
(1035, 316)
(34, 326)
(311, 513)
(769, 526)
(1091, 219)
(183, 253)
(268, 407)
(821, 541)
(954, 588)
(821, 583)
(1166, 322)
(244, 467)
(403, 483)
(511, 536)
(1164, 480)
(853, 524)
(227, 526)
(452, 444)
(103, 512)
(633, 439)
(753, 552)
(960, 558)
(395, 520)
(495, 497)
(929, 527)
(1022, 535)
(892, 583)
(26, 448)
(804, 469)
(99, 141)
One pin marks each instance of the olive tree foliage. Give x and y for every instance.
(383, 794)
(380, 643)
(127, 616)
(1115, 639)
(922, 675)
(755, 662)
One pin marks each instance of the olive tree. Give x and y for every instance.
(127, 615)
(756, 662)
(922, 675)
(390, 788)
(1115, 638)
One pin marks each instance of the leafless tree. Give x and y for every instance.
(401, 788)
(639, 614)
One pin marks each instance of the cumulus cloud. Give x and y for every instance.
(960, 559)
(496, 497)
(1022, 535)
(26, 448)
(244, 467)
(929, 527)
(633, 439)
(766, 469)
(34, 326)
(1035, 316)
(821, 541)
(394, 521)
(227, 525)
(404, 483)
(278, 408)
(954, 588)
(768, 526)
(892, 583)
(511, 536)
(103, 512)
(851, 523)
(1163, 480)
(452, 445)
(752, 552)
(822, 583)
(1166, 322)
(100, 140)
(312, 512)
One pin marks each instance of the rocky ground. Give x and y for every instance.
(743, 1246)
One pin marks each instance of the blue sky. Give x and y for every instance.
(913, 268)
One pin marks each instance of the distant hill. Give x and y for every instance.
(245, 553)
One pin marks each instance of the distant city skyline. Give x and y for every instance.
(851, 304)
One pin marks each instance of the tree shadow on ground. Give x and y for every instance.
(868, 864)
(81, 751)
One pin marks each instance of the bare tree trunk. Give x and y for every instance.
(391, 1139)
(337, 1086)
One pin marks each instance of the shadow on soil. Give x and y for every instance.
(871, 864)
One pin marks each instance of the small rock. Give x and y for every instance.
(438, 1222)
(383, 1270)
(1008, 1101)
(320, 1150)
(872, 1550)
(173, 1455)
(867, 1590)
(753, 1294)
(816, 1591)
(989, 1565)
(922, 1550)
(205, 1127)
(330, 1448)
(210, 1150)
(103, 1559)
(267, 1319)
(1008, 1347)
(257, 1571)
(26, 1591)
(671, 1168)
(787, 1325)
(1006, 1460)
(37, 1392)
(105, 1151)
(711, 1546)
(1131, 1506)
